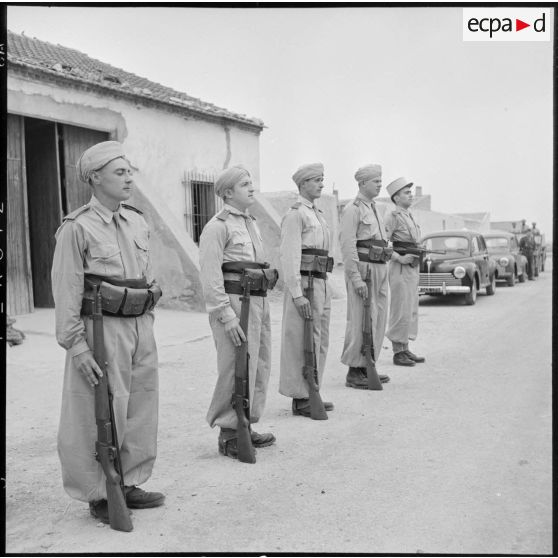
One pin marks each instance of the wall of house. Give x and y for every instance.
(163, 145)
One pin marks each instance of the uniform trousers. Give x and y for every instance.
(133, 378)
(352, 355)
(221, 412)
(403, 308)
(291, 382)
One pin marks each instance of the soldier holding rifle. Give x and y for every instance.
(101, 274)
(404, 275)
(305, 263)
(235, 281)
(365, 250)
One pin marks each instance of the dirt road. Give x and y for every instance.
(453, 456)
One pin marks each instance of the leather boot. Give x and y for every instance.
(414, 357)
(356, 378)
(401, 359)
(384, 378)
(301, 407)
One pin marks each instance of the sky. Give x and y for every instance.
(470, 122)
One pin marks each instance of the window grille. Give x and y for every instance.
(201, 202)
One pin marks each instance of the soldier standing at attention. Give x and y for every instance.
(304, 238)
(404, 275)
(364, 246)
(106, 243)
(527, 247)
(231, 240)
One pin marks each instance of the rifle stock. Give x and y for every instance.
(374, 382)
(310, 370)
(241, 397)
(106, 446)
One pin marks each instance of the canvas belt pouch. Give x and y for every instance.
(377, 251)
(120, 300)
(315, 261)
(260, 276)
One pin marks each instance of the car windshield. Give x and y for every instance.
(451, 245)
(499, 242)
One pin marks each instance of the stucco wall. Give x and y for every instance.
(163, 145)
(282, 201)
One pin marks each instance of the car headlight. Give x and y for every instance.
(504, 261)
(459, 272)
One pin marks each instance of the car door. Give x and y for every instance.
(480, 255)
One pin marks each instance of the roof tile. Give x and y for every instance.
(72, 63)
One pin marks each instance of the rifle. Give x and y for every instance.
(367, 350)
(241, 396)
(310, 370)
(404, 248)
(107, 451)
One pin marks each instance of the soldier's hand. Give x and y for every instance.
(86, 365)
(303, 306)
(362, 291)
(234, 331)
(407, 259)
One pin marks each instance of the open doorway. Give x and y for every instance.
(44, 189)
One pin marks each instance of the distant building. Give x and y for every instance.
(476, 221)
(61, 101)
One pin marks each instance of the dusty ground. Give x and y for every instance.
(453, 456)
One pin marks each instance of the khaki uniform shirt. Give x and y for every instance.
(304, 226)
(226, 238)
(360, 221)
(98, 241)
(401, 227)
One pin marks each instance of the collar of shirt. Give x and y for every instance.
(235, 211)
(104, 212)
(366, 201)
(399, 209)
(307, 203)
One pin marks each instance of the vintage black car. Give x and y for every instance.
(463, 268)
(511, 265)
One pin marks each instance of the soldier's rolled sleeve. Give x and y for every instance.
(347, 238)
(290, 252)
(212, 245)
(67, 288)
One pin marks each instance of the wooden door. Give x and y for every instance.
(44, 203)
(75, 141)
(19, 288)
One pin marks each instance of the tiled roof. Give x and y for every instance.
(75, 65)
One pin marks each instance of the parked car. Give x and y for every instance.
(511, 264)
(464, 268)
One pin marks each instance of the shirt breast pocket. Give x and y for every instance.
(142, 252)
(105, 260)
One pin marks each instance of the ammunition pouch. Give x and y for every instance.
(374, 251)
(315, 262)
(260, 277)
(123, 298)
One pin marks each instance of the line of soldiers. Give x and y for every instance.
(102, 254)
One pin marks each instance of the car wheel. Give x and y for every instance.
(511, 280)
(471, 298)
(521, 278)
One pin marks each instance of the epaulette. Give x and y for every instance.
(132, 208)
(357, 201)
(75, 214)
(296, 205)
(223, 214)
